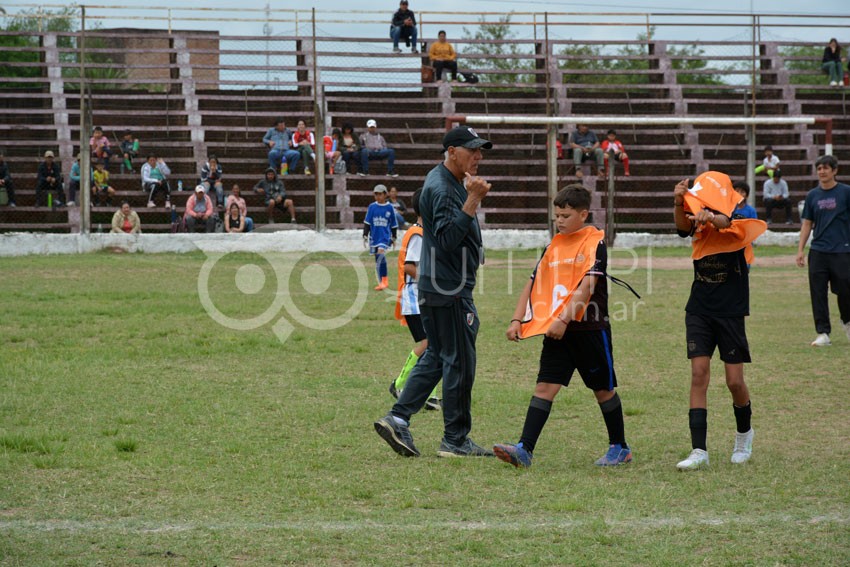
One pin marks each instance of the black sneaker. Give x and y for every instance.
(394, 392)
(397, 436)
(468, 449)
(434, 404)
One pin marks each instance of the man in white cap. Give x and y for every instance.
(49, 181)
(375, 147)
(199, 212)
(451, 253)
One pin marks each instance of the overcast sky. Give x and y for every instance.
(333, 11)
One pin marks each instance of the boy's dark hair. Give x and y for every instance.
(97, 129)
(150, 156)
(575, 196)
(336, 132)
(612, 132)
(441, 31)
(828, 161)
(414, 201)
(777, 174)
(212, 157)
(766, 148)
(279, 120)
(741, 187)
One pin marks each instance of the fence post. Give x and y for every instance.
(551, 175)
(318, 108)
(751, 163)
(609, 205)
(85, 155)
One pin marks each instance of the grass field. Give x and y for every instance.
(134, 430)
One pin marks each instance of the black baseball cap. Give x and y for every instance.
(466, 137)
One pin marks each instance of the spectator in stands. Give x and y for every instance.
(74, 183)
(234, 220)
(100, 189)
(305, 143)
(49, 181)
(612, 146)
(129, 151)
(279, 142)
(404, 26)
(350, 149)
(770, 162)
(126, 220)
(236, 198)
(274, 192)
(99, 145)
(333, 151)
(373, 146)
(211, 179)
(6, 183)
(200, 214)
(399, 207)
(585, 145)
(776, 194)
(155, 174)
(831, 63)
(443, 56)
(744, 210)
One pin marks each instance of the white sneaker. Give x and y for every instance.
(822, 340)
(71, 204)
(151, 204)
(168, 204)
(847, 329)
(743, 447)
(696, 460)
(833, 83)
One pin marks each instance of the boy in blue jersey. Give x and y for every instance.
(744, 210)
(379, 230)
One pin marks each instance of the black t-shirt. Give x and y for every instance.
(721, 286)
(596, 315)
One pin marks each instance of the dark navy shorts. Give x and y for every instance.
(589, 352)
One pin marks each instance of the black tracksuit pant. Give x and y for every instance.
(451, 325)
(831, 270)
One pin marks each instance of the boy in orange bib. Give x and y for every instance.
(719, 301)
(566, 300)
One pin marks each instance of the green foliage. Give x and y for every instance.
(512, 66)
(26, 49)
(632, 58)
(810, 65)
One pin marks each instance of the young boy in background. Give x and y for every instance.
(743, 210)
(567, 300)
(379, 231)
(100, 189)
(129, 150)
(718, 303)
(770, 163)
(611, 145)
(407, 304)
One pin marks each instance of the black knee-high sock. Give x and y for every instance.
(612, 412)
(535, 419)
(698, 418)
(742, 417)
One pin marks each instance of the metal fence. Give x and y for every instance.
(189, 93)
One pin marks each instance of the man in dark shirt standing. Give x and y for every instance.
(404, 26)
(827, 212)
(451, 253)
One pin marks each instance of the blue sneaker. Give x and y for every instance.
(616, 455)
(515, 455)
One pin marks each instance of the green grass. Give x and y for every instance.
(136, 431)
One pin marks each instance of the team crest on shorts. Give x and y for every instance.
(470, 317)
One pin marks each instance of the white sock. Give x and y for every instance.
(400, 421)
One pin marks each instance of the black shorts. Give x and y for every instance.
(705, 332)
(417, 329)
(589, 352)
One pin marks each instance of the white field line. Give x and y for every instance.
(151, 527)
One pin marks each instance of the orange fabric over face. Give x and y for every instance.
(709, 240)
(564, 264)
(402, 254)
(712, 190)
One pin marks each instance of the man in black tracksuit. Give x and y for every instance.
(451, 253)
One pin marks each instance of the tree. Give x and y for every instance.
(512, 66)
(24, 58)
